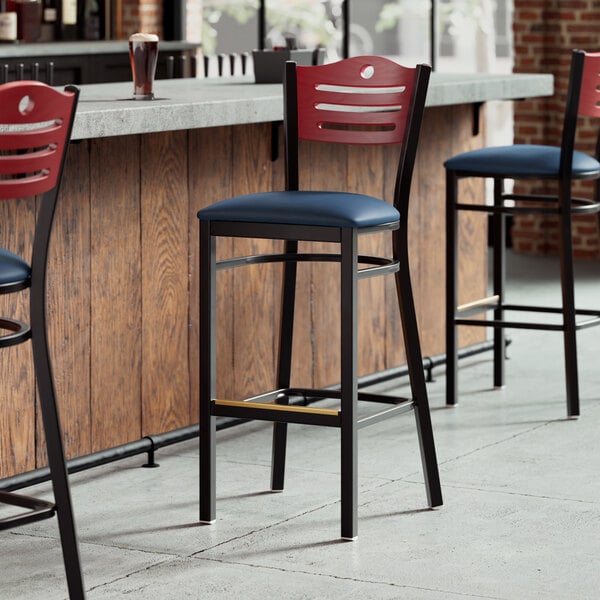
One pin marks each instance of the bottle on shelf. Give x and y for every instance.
(49, 21)
(8, 23)
(67, 19)
(29, 19)
(90, 20)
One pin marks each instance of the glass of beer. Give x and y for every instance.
(143, 53)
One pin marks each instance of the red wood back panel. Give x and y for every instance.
(363, 100)
(35, 121)
(589, 99)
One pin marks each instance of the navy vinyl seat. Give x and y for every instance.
(522, 161)
(13, 269)
(325, 209)
(555, 168)
(320, 106)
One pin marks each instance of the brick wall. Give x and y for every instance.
(545, 32)
(141, 15)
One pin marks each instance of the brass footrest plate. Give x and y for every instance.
(284, 413)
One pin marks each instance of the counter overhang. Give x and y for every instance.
(107, 109)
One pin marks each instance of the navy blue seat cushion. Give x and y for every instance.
(13, 268)
(327, 209)
(521, 160)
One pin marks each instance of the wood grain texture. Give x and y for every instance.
(395, 354)
(207, 184)
(164, 213)
(17, 405)
(427, 223)
(365, 175)
(116, 290)
(472, 226)
(124, 295)
(324, 277)
(69, 304)
(256, 289)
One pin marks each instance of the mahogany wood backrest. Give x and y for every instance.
(35, 127)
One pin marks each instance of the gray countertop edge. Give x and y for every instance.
(107, 109)
(43, 50)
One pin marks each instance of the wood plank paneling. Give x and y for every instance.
(324, 277)
(472, 226)
(256, 289)
(427, 222)
(116, 285)
(69, 304)
(395, 354)
(207, 184)
(17, 408)
(124, 297)
(164, 215)
(365, 176)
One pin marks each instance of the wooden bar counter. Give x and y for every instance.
(123, 278)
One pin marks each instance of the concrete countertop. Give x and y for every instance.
(107, 109)
(43, 50)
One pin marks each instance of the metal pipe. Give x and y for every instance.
(262, 24)
(346, 29)
(433, 33)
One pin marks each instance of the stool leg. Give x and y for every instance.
(54, 446)
(414, 360)
(349, 383)
(568, 302)
(284, 367)
(451, 289)
(207, 461)
(499, 278)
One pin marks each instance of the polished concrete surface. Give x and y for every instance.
(521, 517)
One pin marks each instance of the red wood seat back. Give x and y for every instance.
(362, 100)
(35, 126)
(589, 99)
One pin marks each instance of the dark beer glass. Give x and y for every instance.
(143, 54)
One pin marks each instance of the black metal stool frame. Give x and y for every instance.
(281, 412)
(565, 206)
(36, 330)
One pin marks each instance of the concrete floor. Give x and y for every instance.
(521, 517)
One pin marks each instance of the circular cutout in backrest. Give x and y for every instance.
(26, 105)
(367, 71)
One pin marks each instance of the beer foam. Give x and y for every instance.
(143, 37)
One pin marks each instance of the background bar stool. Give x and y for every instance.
(37, 121)
(561, 165)
(363, 100)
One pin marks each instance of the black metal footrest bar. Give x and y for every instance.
(336, 394)
(383, 265)
(263, 408)
(399, 408)
(20, 332)
(37, 510)
(282, 413)
(168, 438)
(580, 206)
(488, 304)
(548, 309)
(497, 324)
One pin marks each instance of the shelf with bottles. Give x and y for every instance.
(30, 21)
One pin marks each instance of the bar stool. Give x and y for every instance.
(362, 100)
(37, 121)
(561, 165)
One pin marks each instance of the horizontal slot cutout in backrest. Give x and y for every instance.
(362, 103)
